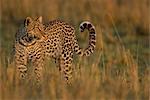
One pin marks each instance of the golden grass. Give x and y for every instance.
(115, 79)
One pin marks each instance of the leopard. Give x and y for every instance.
(35, 41)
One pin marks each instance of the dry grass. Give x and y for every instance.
(117, 79)
(102, 77)
(118, 69)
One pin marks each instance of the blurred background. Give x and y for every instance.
(130, 18)
(119, 24)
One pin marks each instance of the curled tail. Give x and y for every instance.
(92, 39)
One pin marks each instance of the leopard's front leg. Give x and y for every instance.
(38, 64)
(21, 65)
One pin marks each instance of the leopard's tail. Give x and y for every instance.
(92, 39)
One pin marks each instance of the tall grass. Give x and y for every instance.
(103, 76)
(118, 69)
(117, 79)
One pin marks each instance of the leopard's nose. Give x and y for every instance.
(30, 38)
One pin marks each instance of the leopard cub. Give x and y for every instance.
(36, 41)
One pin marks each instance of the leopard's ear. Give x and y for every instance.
(27, 21)
(39, 19)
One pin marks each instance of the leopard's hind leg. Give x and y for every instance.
(66, 68)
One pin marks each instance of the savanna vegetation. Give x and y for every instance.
(118, 69)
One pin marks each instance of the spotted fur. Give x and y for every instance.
(36, 41)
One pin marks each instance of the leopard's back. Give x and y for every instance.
(64, 34)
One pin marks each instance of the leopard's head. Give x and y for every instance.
(34, 28)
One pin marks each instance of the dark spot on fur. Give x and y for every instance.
(79, 52)
(92, 37)
(54, 44)
(85, 24)
(93, 42)
(21, 55)
(92, 30)
(66, 70)
(67, 58)
(67, 77)
(92, 33)
(81, 27)
(64, 55)
(89, 26)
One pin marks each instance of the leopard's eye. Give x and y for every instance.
(35, 36)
